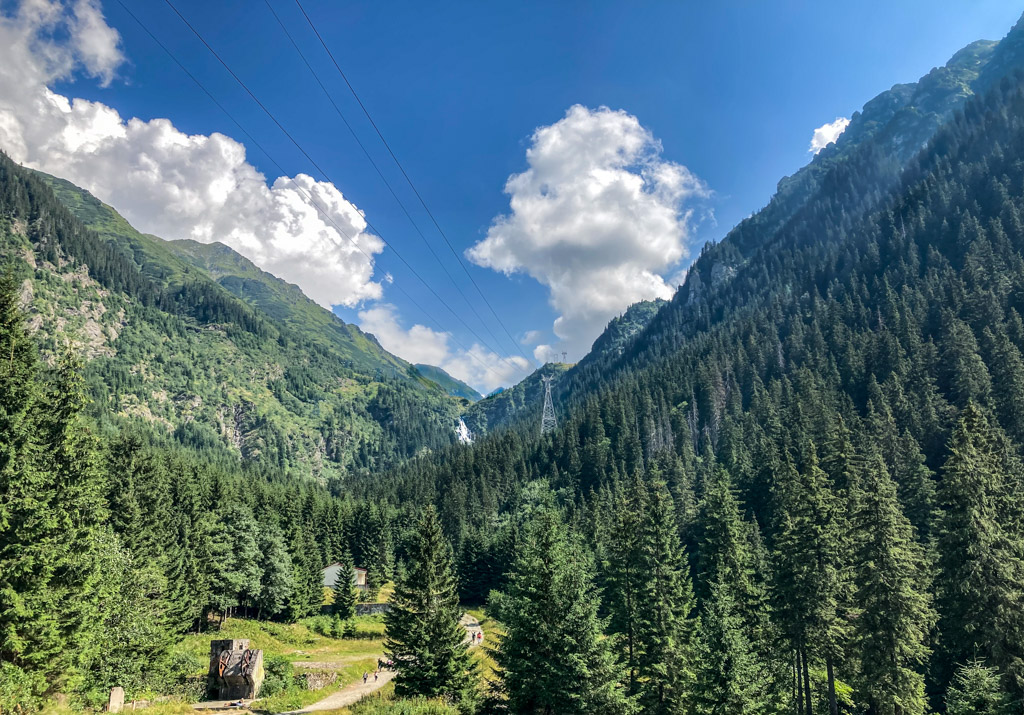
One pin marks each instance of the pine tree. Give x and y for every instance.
(553, 657)
(275, 572)
(623, 572)
(976, 690)
(665, 632)
(981, 556)
(424, 636)
(31, 642)
(729, 680)
(810, 575)
(344, 606)
(893, 595)
(232, 558)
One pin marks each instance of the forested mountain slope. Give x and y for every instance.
(201, 345)
(837, 420)
(451, 385)
(848, 179)
(522, 403)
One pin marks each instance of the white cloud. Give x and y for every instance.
(597, 217)
(164, 181)
(531, 337)
(477, 366)
(828, 133)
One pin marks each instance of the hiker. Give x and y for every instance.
(366, 676)
(380, 664)
(376, 675)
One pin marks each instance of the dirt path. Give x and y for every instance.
(350, 694)
(354, 692)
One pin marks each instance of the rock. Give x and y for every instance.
(116, 701)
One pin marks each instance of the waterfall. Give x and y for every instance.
(463, 433)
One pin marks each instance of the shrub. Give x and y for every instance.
(280, 676)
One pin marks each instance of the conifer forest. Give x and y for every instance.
(797, 487)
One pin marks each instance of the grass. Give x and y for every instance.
(295, 641)
(493, 631)
(296, 699)
(383, 702)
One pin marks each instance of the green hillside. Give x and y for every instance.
(201, 346)
(451, 385)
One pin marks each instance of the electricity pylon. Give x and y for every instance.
(547, 421)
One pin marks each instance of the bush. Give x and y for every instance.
(186, 673)
(19, 691)
(321, 625)
(280, 676)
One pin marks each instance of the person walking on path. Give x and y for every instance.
(366, 676)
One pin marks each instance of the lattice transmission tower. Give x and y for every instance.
(547, 421)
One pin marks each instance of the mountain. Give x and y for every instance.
(287, 304)
(518, 404)
(195, 343)
(835, 390)
(523, 402)
(851, 177)
(452, 386)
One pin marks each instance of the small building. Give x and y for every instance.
(331, 575)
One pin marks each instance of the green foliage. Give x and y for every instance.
(344, 606)
(553, 657)
(280, 675)
(424, 636)
(894, 599)
(976, 690)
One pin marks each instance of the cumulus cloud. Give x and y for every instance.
(477, 366)
(597, 217)
(163, 181)
(828, 133)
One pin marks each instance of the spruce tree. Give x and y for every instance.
(729, 679)
(981, 556)
(554, 657)
(665, 632)
(344, 606)
(31, 643)
(976, 690)
(275, 573)
(424, 636)
(623, 572)
(893, 596)
(810, 574)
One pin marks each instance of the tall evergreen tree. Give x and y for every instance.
(893, 596)
(623, 572)
(665, 664)
(810, 574)
(729, 679)
(275, 572)
(32, 646)
(554, 657)
(344, 606)
(981, 556)
(424, 636)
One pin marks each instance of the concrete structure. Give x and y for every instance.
(116, 701)
(236, 672)
(331, 575)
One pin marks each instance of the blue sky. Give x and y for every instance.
(731, 93)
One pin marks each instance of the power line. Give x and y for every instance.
(280, 126)
(298, 187)
(380, 173)
(409, 181)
